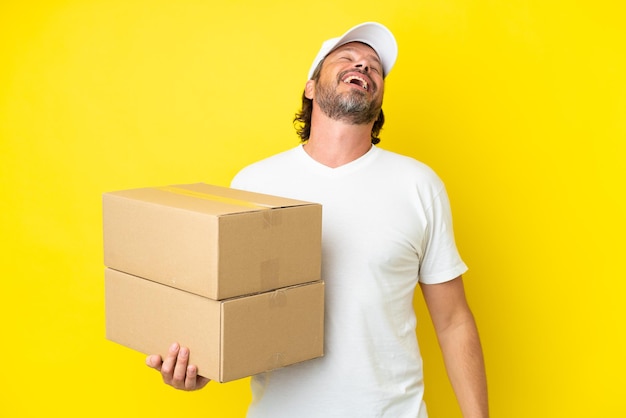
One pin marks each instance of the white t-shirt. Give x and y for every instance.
(386, 224)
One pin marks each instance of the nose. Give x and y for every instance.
(364, 67)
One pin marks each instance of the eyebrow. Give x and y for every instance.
(371, 56)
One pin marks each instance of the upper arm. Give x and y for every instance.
(446, 303)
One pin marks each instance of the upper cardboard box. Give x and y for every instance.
(213, 241)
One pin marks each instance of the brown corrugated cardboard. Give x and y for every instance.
(228, 339)
(212, 241)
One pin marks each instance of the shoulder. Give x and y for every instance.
(405, 168)
(265, 169)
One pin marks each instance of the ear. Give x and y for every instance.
(309, 89)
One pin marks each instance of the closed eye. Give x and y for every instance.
(347, 55)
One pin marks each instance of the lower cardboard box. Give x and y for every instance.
(228, 339)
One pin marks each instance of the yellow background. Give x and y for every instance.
(520, 106)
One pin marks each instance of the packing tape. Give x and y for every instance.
(215, 198)
(278, 298)
(269, 273)
(277, 361)
(272, 218)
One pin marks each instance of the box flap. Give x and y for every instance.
(208, 199)
(240, 196)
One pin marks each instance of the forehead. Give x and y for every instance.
(357, 47)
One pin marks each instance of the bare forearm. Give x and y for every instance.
(463, 357)
(460, 345)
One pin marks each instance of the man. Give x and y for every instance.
(386, 228)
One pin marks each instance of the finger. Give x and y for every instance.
(193, 381)
(191, 377)
(180, 370)
(154, 361)
(169, 363)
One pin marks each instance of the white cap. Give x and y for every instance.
(373, 34)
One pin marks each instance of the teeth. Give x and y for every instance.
(349, 79)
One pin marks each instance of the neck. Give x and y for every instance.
(335, 143)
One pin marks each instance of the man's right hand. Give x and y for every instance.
(175, 369)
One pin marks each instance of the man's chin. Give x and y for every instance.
(352, 107)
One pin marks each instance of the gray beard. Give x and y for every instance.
(352, 107)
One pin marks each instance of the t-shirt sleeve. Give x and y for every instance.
(441, 261)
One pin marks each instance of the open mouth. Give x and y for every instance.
(359, 81)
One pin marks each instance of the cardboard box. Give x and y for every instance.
(228, 339)
(213, 241)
